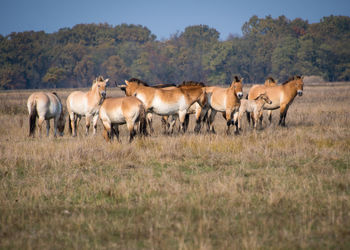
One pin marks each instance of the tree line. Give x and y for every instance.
(277, 47)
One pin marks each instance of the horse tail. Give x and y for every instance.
(143, 121)
(32, 117)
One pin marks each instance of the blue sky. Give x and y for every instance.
(163, 18)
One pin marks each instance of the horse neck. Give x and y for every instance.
(93, 93)
(291, 87)
(143, 89)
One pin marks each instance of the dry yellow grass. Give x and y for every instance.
(279, 188)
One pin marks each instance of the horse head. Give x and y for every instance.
(132, 85)
(263, 96)
(238, 86)
(299, 84)
(100, 85)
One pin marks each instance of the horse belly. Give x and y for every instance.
(117, 116)
(79, 107)
(274, 105)
(162, 108)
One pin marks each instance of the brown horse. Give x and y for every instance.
(117, 111)
(165, 102)
(224, 100)
(281, 96)
(45, 106)
(86, 104)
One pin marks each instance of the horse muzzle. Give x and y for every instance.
(300, 92)
(240, 95)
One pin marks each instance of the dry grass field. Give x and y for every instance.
(276, 188)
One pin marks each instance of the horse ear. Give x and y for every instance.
(241, 79)
(126, 82)
(302, 78)
(106, 80)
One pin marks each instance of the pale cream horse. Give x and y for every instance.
(253, 106)
(86, 104)
(281, 96)
(45, 106)
(122, 110)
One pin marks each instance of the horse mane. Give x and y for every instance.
(160, 86)
(236, 78)
(138, 81)
(191, 84)
(99, 79)
(270, 78)
(292, 78)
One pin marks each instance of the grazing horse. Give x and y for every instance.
(254, 106)
(224, 100)
(121, 110)
(86, 104)
(165, 102)
(46, 106)
(281, 96)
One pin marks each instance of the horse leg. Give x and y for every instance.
(283, 114)
(182, 118)
(73, 123)
(55, 121)
(149, 118)
(198, 116)
(187, 121)
(165, 123)
(94, 123)
(107, 130)
(255, 119)
(248, 118)
(132, 132)
(252, 119)
(228, 117)
(260, 118)
(40, 124)
(47, 127)
(269, 115)
(171, 124)
(115, 131)
(87, 124)
(211, 120)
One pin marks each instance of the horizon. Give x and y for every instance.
(162, 19)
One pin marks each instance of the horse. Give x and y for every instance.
(121, 110)
(149, 116)
(224, 100)
(253, 106)
(45, 106)
(269, 82)
(281, 96)
(86, 104)
(165, 102)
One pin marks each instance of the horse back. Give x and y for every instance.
(275, 94)
(120, 109)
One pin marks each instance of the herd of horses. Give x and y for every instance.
(171, 102)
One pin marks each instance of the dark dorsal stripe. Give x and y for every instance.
(292, 78)
(138, 81)
(191, 83)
